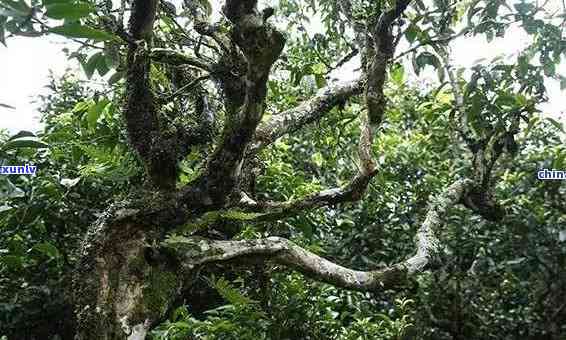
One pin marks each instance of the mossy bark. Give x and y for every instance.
(119, 291)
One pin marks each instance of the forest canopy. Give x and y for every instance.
(293, 169)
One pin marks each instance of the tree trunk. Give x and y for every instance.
(119, 291)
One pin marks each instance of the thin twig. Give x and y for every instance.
(187, 86)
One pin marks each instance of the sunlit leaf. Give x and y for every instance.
(95, 111)
(68, 10)
(75, 30)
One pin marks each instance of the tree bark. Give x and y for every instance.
(121, 287)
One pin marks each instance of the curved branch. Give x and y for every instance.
(351, 192)
(193, 252)
(381, 52)
(269, 210)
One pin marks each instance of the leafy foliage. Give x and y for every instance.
(82, 164)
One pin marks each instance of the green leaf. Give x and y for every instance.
(23, 143)
(14, 8)
(82, 106)
(95, 111)
(102, 66)
(425, 58)
(22, 134)
(97, 62)
(318, 159)
(115, 77)
(75, 30)
(524, 8)
(523, 62)
(90, 66)
(320, 80)
(297, 76)
(68, 11)
(306, 229)
(411, 33)
(398, 74)
(532, 123)
(475, 109)
(549, 68)
(47, 249)
(521, 100)
(231, 293)
(556, 123)
(562, 82)
(319, 68)
(12, 261)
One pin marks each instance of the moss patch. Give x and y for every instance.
(159, 290)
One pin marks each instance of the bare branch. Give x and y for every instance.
(270, 210)
(194, 252)
(344, 60)
(307, 112)
(186, 88)
(431, 42)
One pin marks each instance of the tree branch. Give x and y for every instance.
(378, 53)
(305, 113)
(269, 210)
(261, 44)
(193, 251)
(351, 192)
(176, 58)
(142, 123)
(433, 42)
